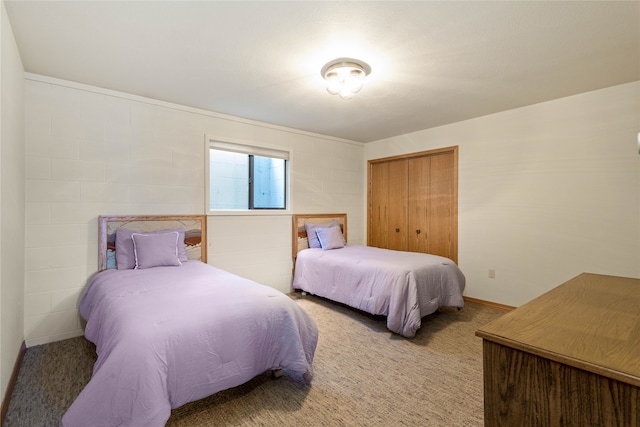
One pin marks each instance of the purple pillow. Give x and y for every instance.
(311, 231)
(125, 256)
(330, 238)
(156, 249)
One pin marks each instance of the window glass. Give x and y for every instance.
(228, 180)
(241, 177)
(268, 176)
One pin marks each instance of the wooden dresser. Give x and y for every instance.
(570, 357)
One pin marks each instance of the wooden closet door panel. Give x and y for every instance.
(397, 205)
(419, 178)
(442, 202)
(377, 230)
(418, 191)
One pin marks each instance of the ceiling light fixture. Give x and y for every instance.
(345, 76)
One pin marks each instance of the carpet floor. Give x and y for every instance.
(364, 375)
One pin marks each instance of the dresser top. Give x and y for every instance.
(591, 322)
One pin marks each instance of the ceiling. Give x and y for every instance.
(433, 63)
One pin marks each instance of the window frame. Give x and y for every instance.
(249, 148)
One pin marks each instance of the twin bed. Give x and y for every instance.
(170, 329)
(175, 329)
(403, 286)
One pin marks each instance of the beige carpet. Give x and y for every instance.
(363, 376)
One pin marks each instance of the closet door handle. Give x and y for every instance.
(397, 230)
(418, 231)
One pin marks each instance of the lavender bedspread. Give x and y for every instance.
(166, 336)
(404, 286)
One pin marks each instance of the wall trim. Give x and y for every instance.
(12, 383)
(489, 303)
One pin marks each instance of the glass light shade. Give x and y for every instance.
(345, 76)
(333, 84)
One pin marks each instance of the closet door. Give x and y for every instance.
(397, 205)
(442, 212)
(387, 210)
(418, 204)
(413, 202)
(377, 230)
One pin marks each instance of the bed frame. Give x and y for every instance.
(299, 233)
(195, 233)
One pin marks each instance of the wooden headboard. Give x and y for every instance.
(195, 240)
(299, 233)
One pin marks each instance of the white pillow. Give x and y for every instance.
(330, 238)
(155, 250)
(311, 228)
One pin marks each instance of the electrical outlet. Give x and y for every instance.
(492, 273)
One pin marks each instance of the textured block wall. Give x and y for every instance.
(92, 152)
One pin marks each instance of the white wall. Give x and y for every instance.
(545, 192)
(11, 201)
(93, 152)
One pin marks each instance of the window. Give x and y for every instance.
(243, 177)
